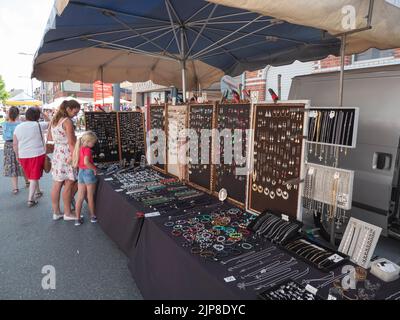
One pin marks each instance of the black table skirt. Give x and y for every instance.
(117, 217)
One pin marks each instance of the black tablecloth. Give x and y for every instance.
(117, 216)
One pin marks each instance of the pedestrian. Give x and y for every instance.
(62, 132)
(12, 168)
(30, 151)
(87, 180)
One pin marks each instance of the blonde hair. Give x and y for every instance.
(87, 137)
(63, 112)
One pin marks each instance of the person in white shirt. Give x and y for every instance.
(30, 151)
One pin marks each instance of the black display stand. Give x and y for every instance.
(232, 117)
(159, 120)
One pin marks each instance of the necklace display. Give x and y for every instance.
(199, 172)
(106, 128)
(274, 228)
(331, 186)
(277, 154)
(131, 135)
(158, 121)
(315, 254)
(176, 126)
(232, 117)
(359, 241)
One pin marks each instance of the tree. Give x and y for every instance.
(3, 93)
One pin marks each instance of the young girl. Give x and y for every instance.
(83, 159)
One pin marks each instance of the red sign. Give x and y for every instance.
(102, 90)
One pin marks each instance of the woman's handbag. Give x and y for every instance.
(49, 146)
(47, 160)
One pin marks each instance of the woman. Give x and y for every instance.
(29, 150)
(62, 132)
(12, 167)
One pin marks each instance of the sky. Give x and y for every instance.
(22, 24)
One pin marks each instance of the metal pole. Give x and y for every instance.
(342, 63)
(116, 94)
(280, 86)
(183, 65)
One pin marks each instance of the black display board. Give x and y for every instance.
(333, 126)
(201, 116)
(278, 157)
(231, 117)
(158, 120)
(105, 125)
(131, 135)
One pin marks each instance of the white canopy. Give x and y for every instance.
(110, 100)
(335, 16)
(56, 103)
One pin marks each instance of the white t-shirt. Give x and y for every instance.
(30, 143)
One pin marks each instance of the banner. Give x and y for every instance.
(99, 88)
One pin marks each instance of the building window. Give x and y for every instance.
(373, 54)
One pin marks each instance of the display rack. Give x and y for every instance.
(105, 125)
(159, 120)
(131, 136)
(277, 147)
(333, 126)
(232, 117)
(200, 175)
(177, 121)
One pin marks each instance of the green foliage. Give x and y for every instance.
(3, 93)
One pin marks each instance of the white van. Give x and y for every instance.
(376, 91)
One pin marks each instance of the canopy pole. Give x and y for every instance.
(342, 64)
(183, 65)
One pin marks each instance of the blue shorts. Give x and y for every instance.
(86, 176)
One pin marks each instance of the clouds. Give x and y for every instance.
(22, 25)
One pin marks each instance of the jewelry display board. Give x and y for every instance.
(278, 157)
(333, 126)
(328, 185)
(131, 135)
(158, 120)
(359, 241)
(177, 121)
(231, 117)
(105, 125)
(199, 173)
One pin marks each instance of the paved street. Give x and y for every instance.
(88, 264)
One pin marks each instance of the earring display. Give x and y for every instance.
(278, 158)
(334, 126)
(231, 117)
(106, 128)
(315, 254)
(199, 169)
(158, 121)
(331, 186)
(359, 241)
(131, 135)
(289, 290)
(177, 118)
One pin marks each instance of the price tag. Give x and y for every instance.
(331, 297)
(119, 190)
(335, 258)
(311, 289)
(310, 171)
(332, 114)
(108, 179)
(152, 214)
(285, 217)
(230, 279)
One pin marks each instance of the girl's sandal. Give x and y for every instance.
(38, 194)
(15, 191)
(32, 203)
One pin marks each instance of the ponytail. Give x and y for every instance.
(62, 111)
(75, 155)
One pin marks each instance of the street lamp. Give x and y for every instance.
(27, 54)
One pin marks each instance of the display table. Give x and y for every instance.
(117, 216)
(164, 269)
